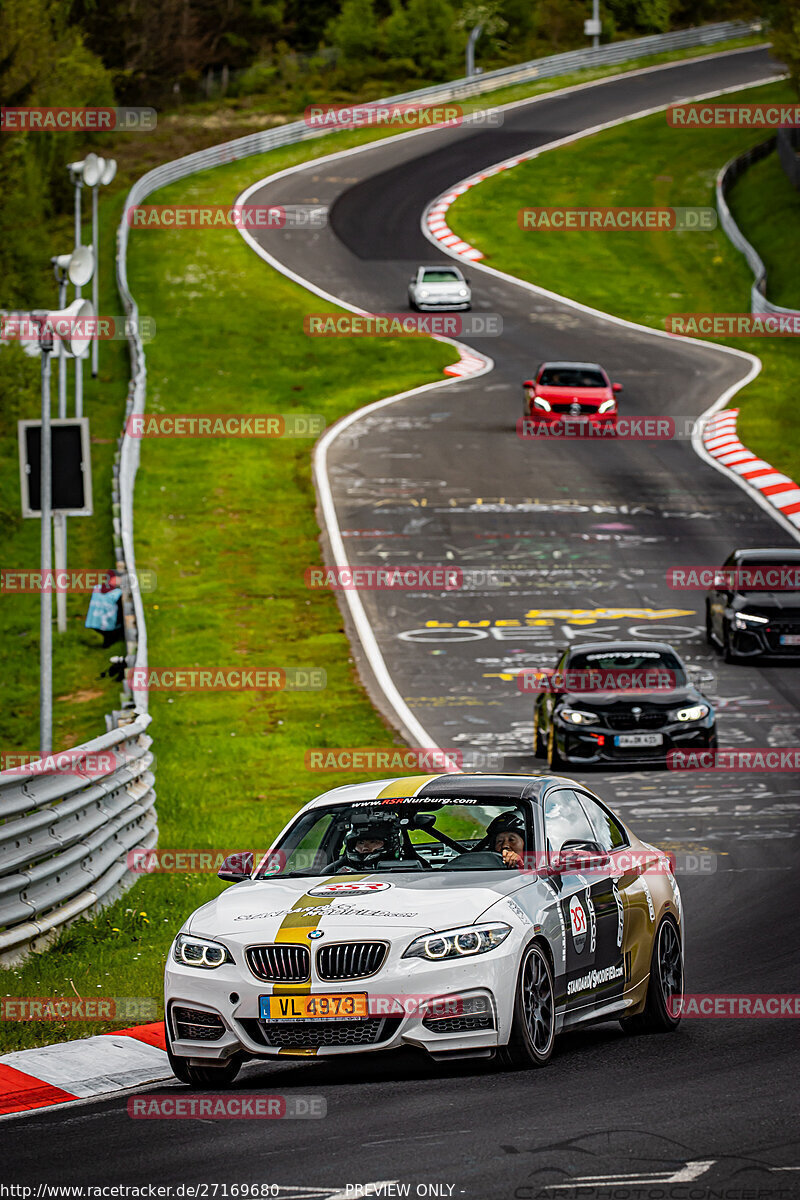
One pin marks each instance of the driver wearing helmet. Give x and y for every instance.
(366, 845)
(506, 837)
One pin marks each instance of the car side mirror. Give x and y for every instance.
(616, 387)
(574, 857)
(528, 383)
(237, 867)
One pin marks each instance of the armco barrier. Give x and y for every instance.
(789, 154)
(64, 838)
(727, 177)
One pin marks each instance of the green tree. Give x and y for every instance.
(355, 31)
(784, 18)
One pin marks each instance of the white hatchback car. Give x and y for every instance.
(440, 287)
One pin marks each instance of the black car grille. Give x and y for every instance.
(190, 1023)
(776, 629)
(301, 1035)
(280, 964)
(350, 960)
(570, 408)
(458, 1024)
(655, 719)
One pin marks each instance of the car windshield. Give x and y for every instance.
(441, 276)
(628, 660)
(406, 834)
(756, 575)
(571, 377)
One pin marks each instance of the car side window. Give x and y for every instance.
(609, 835)
(565, 820)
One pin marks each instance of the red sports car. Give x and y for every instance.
(571, 389)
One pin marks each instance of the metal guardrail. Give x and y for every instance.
(789, 154)
(726, 178)
(64, 838)
(65, 834)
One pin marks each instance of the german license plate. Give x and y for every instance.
(318, 1007)
(790, 639)
(638, 739)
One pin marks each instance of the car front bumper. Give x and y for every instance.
(584, 745)
(397, 996)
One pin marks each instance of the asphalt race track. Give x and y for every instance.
(578, 530)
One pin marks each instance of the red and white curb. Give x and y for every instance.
(94, 1066)
(468, 364)
(722, 443)
(434, 220)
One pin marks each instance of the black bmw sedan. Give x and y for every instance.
(615, 703)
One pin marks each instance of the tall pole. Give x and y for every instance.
(473, 37)
(62, 356)
(596, 19)
(78, 362)
(46, 610)
(95, 278)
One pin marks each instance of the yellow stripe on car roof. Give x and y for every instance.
(410, 785)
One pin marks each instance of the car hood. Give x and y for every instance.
(447, 288)
(624, 701)
(256, 909)
(563, 395)
(768, 604)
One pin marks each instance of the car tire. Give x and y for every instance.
(554, 759)
(201, 1077)
(727, 652)
(664, 985)
(533, 1026)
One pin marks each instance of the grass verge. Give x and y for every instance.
(643, 276)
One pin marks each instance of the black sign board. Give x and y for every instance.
(71, 467)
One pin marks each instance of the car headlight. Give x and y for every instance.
(742, 620)
(578, 716)
(607, 406)
(199, 952)
(463, 292)
(538, 402)
(458, 943)
(695, 712)
(424, 292)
